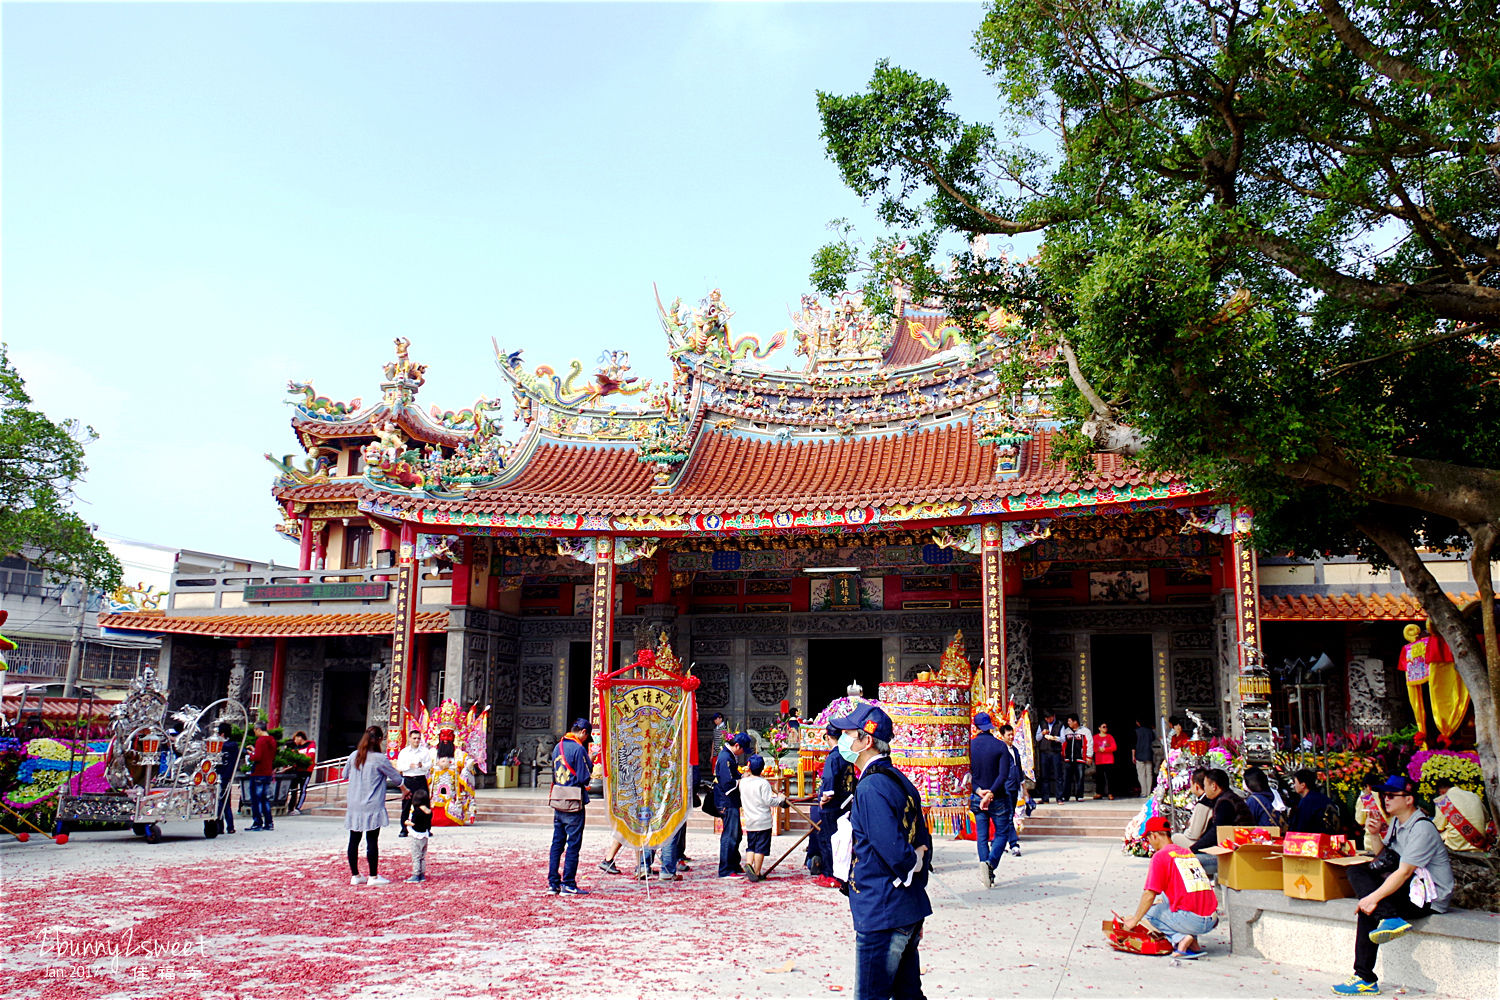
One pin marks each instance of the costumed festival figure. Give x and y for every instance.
(1428, 664)
(462, 744)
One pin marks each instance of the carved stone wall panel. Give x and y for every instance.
(712, 647)
(505, 684)
(713, 691)
(535, 722)
(769, 684)
(944, 622)
(555, 628)
(740, 625)
(1018, 659)
(1193, 639)
(536, 647)
(919, 644)
(1193, 683)
(1054, 642)
(1121, 619)
(768, 647)
(1367, 693)
(1053, 684)
(536, 684)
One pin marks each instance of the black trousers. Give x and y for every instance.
(372, 850)
(411, 784)
(1397, 904)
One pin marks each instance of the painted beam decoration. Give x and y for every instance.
(649, 715)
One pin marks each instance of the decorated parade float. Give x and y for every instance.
(931, 717)
(153, 773)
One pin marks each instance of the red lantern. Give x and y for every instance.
(148, 744)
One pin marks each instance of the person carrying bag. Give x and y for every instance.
(571, 771)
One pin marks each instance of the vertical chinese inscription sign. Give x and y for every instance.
(992, 583)
(1246, 599)
(404, 633)
(601, 636)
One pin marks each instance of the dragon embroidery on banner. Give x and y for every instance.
(705, 332)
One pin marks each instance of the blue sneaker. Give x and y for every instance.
(1356, 987)
(573, 890)
(1389, 929)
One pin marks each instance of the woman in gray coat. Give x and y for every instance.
(368, 774)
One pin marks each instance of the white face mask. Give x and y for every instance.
(846, 748)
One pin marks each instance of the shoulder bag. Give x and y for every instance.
(565, 798)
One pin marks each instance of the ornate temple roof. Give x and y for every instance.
(1348, 607)
(895, 420)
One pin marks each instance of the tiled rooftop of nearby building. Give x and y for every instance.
(269, 626)
(1347, 607)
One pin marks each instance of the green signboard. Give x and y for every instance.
(317, 592)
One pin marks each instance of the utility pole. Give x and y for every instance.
(75, 655)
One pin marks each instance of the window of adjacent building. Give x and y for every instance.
(357, 552)
(257, 686)
(20, 578)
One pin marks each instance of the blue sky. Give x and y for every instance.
(202, 201)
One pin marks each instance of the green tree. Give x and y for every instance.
(1269, 256)
(40, 462)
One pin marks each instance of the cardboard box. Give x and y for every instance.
(1316, 845)
(507, 777)
(1248, 866)
(1317, 878)
(1224, 833)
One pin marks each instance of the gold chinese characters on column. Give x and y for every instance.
(992, 581)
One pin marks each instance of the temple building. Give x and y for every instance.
(789, 531)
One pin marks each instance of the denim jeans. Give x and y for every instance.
(1073, 788)
(1178, 924)
(1049, 777)
(260, 800)
(1001, 811)
(729, 842)
(671, 853)
(226, 812)
(567, 830)
(886, 966)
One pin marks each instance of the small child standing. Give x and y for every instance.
(756, 801)
(420, 825)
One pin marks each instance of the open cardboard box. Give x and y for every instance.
(1248, 866)
(1318, 878)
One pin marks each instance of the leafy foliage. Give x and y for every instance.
(40, 461)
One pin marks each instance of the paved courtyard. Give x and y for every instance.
(272, 915)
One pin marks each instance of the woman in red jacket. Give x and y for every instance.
(1104, 760)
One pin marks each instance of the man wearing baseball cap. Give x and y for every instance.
(995, 780)
(1421, 884)
(727, 798)
(571, 768)
(890, 851)
(1188, 909)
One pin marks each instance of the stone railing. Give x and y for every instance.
(332, 588)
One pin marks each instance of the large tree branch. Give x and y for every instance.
(1002, 225)
(1450, 300)
(1369, 53)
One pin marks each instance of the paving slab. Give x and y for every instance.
(262, 915)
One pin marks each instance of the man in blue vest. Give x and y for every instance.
(570, 767)
(995, 781)
(833, 799)
(727, 798)
(890, 856)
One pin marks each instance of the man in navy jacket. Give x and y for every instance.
(892, 856)
(995, 781)
(570, 766)
(727, 798)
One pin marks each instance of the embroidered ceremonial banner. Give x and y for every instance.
(649, 716)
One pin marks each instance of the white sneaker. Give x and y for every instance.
(379, 880)
(356, 880)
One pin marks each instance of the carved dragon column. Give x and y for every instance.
(992, 585)
(602, 631)
(404, 633)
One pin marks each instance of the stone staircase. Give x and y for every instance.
(1089, 818)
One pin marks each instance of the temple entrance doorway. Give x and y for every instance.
(346, 693)
(1121, 691)
(833, 663)
(579, 693)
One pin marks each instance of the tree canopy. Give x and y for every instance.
(1270, 256)
(40, 463)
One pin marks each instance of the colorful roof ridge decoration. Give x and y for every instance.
(1348, 607)
(724, 443)
(244, 626)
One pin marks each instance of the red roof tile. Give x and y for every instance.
(1347, 607)
(270, 626)
(731, 473)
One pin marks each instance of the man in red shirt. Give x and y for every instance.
(1188, 909)
(262, 762)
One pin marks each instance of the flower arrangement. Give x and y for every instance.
(1461, 768)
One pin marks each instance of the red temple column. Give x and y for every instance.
(404, 633)
(278, 682)
(602, 629)
(305, 547)
(419, 674)
(661, 583)
(992, 586)
(461, 563)
(320, 545)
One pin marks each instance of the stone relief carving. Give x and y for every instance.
(536, 647)
(1193, 682)
(712, 647)
(1088, 619)
(768, 647)
(922, 644)
(536, 684)
(738, 625)
(1193, 639)
(769, 684)
(535, 723)
(1367, 694)
(713, 691)
(1053, 686)
(555, 628)
(1018, 660)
